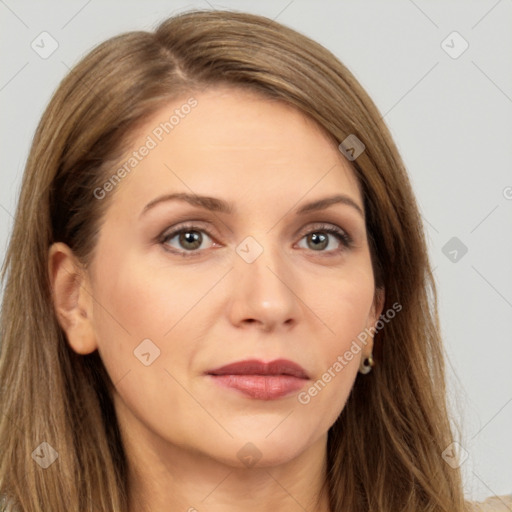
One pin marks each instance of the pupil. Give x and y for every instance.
(319, 240)
(191, 237)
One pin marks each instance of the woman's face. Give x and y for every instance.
(257, 273)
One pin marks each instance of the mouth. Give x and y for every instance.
(259, 380)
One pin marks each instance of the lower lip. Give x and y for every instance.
(262, 387)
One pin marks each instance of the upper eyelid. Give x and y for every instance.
(193, 226)
(201, 225)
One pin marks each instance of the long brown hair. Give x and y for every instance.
(384, 451)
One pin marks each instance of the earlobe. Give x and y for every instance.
(72, 302)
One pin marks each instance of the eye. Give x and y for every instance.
(328, 237)
(186, 239)
(191, 240)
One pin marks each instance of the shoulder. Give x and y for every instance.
(493, 504)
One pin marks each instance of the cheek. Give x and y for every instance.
(145, 328)
(139, 299)
(343, 304)
(136, 302)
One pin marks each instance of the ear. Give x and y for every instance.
(375, 313)
(72, 299)
(379, 298)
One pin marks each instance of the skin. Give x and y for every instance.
(297, 300)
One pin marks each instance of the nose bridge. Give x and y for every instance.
(263, 289)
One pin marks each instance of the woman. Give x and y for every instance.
(217, 291)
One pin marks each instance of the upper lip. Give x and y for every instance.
(256, 367)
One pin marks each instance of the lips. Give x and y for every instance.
(259, 380)
(255, 367)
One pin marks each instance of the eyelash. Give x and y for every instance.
(341, 235)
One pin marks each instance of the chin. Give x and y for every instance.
(260, 451)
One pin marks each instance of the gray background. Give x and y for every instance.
(451, 119)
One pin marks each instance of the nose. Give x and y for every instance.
(265, 292)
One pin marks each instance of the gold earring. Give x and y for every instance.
(367, 365)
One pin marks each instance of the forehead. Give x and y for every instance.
(236, 143)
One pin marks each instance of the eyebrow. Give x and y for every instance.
(219, 205)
